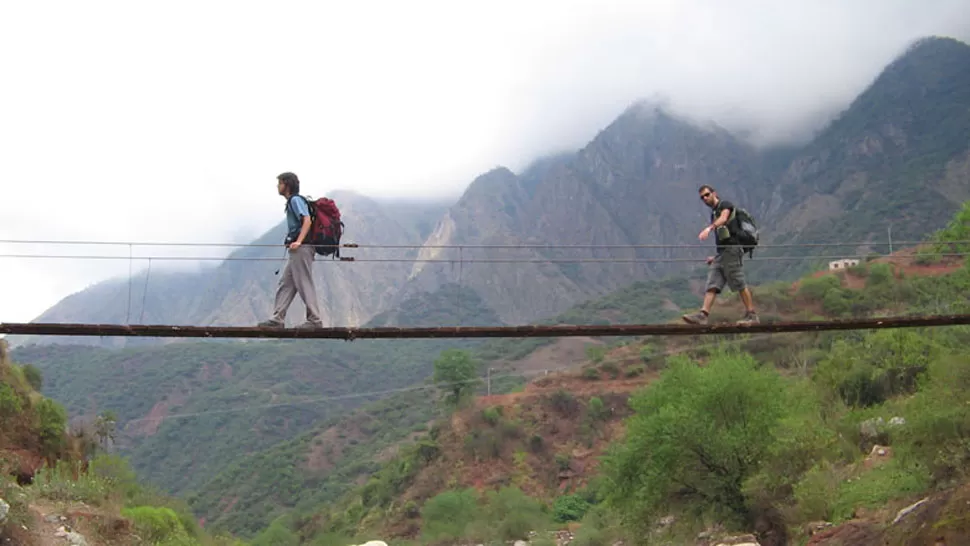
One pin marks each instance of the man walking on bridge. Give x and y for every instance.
(726, 267)
(297, 277)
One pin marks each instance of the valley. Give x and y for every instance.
(322, 442)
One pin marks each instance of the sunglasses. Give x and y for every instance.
(705, 195)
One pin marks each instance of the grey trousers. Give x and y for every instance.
(297, 278)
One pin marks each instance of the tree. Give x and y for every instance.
(104, 427)
(697, 435)
(457, 374)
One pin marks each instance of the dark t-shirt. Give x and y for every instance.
(722, 235)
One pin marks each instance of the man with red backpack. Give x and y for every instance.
(297, 277)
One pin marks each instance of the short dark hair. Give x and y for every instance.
(705, 187)
(291, 181)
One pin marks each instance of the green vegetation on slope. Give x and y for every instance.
(252, 490)
(311, 469)
(61, 466)
(223, 399)
(731, 454)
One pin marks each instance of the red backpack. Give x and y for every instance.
(326, 227)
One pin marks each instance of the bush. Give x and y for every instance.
(564, 403)
(815, 288)
(512, 514)
(483, 444)
(33, 376)
(610, 368)
(596, 353)
(697, 435)
(647, 352)
(569, 508)
(635, 371)
(596, 410)
(492, 415)
(447, 515)
(882, 364)
(10, 403)
(158, 525)
(52, 425)
(936, 435)
(879, 274)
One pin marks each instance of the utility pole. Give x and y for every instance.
(890, 231)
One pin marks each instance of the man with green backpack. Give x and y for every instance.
(735, 234)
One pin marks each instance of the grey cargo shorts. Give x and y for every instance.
(727, 269)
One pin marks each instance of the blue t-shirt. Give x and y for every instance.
(295, 211)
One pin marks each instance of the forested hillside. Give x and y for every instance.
(62, 483)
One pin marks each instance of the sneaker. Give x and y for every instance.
(310, 325)
(750, 317)
(270, 324)
(696, 318)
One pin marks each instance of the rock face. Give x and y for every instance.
(239, 292)
(634, 184)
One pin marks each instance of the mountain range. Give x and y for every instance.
(898, 156)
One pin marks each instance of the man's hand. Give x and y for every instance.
(295, 245)
(704, 233)
(710, 260)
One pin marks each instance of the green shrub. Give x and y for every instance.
(647, 352)
(610, 368)
(879, 274)
(492, 415)
(697, 435)
(10, 403)
(447, 515)
(512, 514)
(155, 524)
(815, 288)
(569, 508)
(33, 376)
(596, 410)
(596, 353)
(52, 425)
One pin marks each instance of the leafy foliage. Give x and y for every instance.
(457, 373)
(698, 434)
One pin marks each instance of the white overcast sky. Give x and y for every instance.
(168, 121)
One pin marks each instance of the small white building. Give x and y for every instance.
(842, 264)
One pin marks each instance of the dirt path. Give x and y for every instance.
(44, 524)
(74, 524)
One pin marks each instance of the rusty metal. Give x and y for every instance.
(347, 333)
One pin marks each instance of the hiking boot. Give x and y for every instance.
(270, 324)
(310, 325)
(750, 317)
(696, 318)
